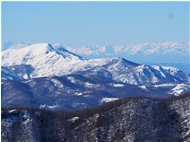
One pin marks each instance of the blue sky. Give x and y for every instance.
(81, 23)
(95, 23)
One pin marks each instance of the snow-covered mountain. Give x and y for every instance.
(154, 52)
(44, 58)
(43, 75)
(182, 66)
(47, 60)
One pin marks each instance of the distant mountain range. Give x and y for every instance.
(43, 75)
(168, 53)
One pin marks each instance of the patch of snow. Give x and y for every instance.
(27, 121)
(73, 119)
(162, 74)
(96, 115)
(143, 87)
(179, 89)
(48, 106)
(118, 85)
(105, 100)
(171, 70)
(13, 110)
(88, 84)
(78, 94)
(164, 85)
(159, 68)
(25, 76)
(72, 79)
(57, 83)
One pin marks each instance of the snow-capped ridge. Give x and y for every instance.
(49, 60)
(170, 69)
(35, 50)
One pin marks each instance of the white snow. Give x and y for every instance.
(73, 119)
(78, 94)
(13, 110)
(179, 89)
(43, 57)
(118, 85)
(49, 61)
(72, 79)
(25, 76)
(143, 87)
(105, 100)
(57, 83)
(96, 115)
(159, 68)
(88, 84)
(164, 85)
(49, 106)
(171, 70)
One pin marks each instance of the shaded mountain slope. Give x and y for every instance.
(78, 91)
(65, 92)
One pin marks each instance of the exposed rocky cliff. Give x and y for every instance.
(133, 119)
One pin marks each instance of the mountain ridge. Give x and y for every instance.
(55, 76)
(49, 61)
(136, 119)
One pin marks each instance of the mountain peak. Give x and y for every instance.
(33, 49)
(36, 53)
(40, 49)
(50, 60)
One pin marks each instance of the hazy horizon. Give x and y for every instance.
(138, 31)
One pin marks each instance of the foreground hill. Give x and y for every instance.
(134, 119)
